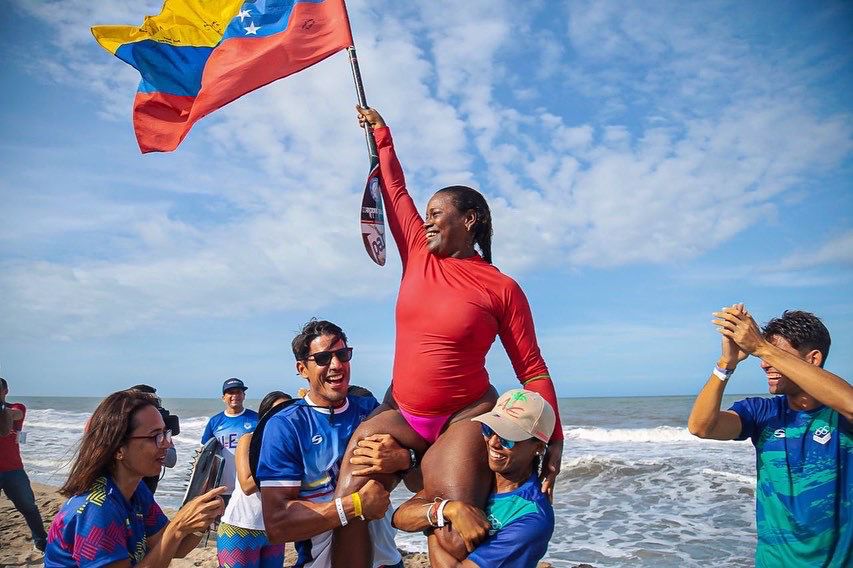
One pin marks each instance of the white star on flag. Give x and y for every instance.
(243, 14)
(252, 29)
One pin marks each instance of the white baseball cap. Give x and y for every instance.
(520, 414)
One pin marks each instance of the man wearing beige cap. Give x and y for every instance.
(518, 521)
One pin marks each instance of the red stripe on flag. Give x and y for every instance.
(160, 120)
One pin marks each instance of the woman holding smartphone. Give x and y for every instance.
(111, 518)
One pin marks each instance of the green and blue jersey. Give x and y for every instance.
(803, 494)
(522, 523)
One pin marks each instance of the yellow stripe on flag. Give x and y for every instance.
(196, 23)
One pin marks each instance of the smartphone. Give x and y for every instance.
(214, 475)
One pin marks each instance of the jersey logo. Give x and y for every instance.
(247, 425)
(822, 435)
(495, 523)
(316, 440)
(780, 433)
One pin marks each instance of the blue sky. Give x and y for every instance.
(646, 164)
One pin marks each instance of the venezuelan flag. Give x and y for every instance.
(199, 55)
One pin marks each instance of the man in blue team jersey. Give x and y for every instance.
(301, 452)
(802, 437)
(228, 426)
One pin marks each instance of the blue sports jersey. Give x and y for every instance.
(522, 524)
(100, 527)
(228, 430)
(803, 506)
(303, 447)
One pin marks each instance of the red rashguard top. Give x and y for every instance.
(449, 312)
(10, 452)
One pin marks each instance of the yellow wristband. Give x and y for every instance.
(356, 503)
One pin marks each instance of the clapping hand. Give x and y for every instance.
(731, 353)
(735, 324)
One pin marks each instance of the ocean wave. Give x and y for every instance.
(50, 419)
(591, 466)
(194, 422)
(53, 465)
(659, 434)
(745, 479)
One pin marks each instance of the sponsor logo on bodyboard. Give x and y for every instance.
(373, 218)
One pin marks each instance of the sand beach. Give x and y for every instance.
(16, 546)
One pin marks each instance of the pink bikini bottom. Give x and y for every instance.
(428, 427)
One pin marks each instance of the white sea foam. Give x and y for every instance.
(599, 462)
(50, 419)
(659, 434)
(194, 424)
(50, 464)
(745, 479)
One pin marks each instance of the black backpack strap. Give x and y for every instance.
(257, 438)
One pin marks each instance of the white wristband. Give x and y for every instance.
(722, 374)
(339, 505)
(440, 513)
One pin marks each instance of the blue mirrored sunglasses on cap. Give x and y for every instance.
(488, 433)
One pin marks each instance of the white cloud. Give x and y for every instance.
(836, 251)
(690, 138)
(826, 264)
(812, 264)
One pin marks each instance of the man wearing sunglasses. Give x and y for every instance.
(301, 451)
(517, 524)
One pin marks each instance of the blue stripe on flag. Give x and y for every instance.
(175, 70)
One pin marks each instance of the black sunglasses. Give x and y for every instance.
(323, 358)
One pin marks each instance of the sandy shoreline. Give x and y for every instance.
(16, 546)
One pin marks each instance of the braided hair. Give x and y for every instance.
(468, 199)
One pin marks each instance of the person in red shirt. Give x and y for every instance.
(453, 304)
(13, 479)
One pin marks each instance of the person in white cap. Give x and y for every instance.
(514, 530)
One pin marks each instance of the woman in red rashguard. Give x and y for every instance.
(452, 305)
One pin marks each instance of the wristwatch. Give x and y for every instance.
(2, 406)
(413, 459)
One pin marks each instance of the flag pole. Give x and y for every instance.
(362, 102)
(372, 214)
